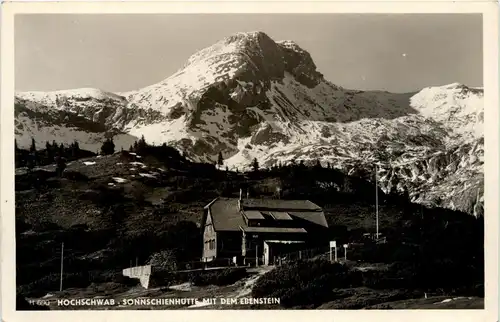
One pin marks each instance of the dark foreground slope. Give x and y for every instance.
(111, 211)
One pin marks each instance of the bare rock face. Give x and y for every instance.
(299, 63)
(249, 96)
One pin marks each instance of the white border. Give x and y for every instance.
(490, 41)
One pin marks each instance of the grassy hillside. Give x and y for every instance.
(114, 210)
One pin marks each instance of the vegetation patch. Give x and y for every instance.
(107, 225)
(218, 277)
(304, 282)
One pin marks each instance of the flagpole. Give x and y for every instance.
(62, 261)
(376, 199)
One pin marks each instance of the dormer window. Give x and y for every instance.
(253, 218)
(280, 215)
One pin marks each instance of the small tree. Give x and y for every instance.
(255, 165)
(30, 163)
(17, 155)
(111, 146)
(33, 145)
(75, 149)
(33, 153)
(108, 147)
(49, 152)
(220, 160)
(318, 164)
(141, 145)
(60, 165)
(76, 146)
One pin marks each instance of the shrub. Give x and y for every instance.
(365, 299)
(124, 280)
(182, 197)
(164, 260)
(44, 226)
(35, 179)
(138, 193)
(117, 214)
(102, 195)
(217, 277)
(304, 282)
(21, 225)
(226, 189)
(75, 176)
(50, 283)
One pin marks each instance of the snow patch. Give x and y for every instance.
(184, 287)
(147, 175)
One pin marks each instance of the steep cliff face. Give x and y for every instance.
(248, 96)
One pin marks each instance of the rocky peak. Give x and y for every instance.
(247, 38)
(254, 56)
(300, 64)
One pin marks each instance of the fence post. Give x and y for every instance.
(256, 256)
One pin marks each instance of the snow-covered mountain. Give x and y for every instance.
(84, 115)
(249, 96)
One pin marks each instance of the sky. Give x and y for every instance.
(396, 52)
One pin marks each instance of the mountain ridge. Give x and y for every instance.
(248, 96)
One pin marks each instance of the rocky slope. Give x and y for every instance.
(84, 115)
(249, 96)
